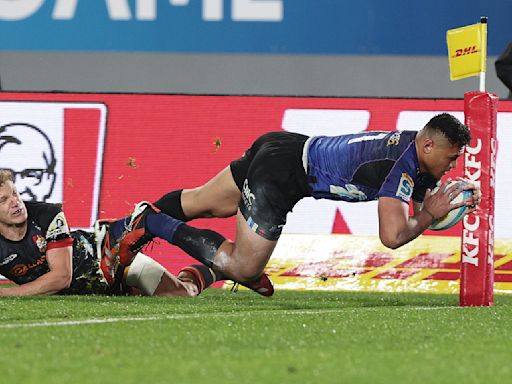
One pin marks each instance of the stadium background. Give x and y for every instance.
(146, 141)
(249, 47)
(272, 47)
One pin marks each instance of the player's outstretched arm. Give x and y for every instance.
(396, 228)
(58, 278)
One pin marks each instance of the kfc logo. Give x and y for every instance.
(28, 153)
(55, 153)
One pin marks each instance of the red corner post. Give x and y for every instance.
(477, 251)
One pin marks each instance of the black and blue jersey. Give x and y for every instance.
(366, 166)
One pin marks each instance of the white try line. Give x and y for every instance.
(200, 315)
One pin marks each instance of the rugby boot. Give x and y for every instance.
(106, 250)
(135, 236)
(199, 274)
(262, 286)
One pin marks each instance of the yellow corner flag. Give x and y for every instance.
(467, 50)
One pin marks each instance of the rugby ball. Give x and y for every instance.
(456, 214)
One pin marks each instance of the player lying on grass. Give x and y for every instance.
(40, 254)
(281, 168)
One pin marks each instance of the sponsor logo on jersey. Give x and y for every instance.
(9, 258)
(58, 226)
(368, 137)
(22, 269)
(247, 196)
(394, 139)
(40, 243)
(405, 187)
(348, 192)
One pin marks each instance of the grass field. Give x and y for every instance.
(225, 337)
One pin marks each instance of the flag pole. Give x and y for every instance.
(483, 22)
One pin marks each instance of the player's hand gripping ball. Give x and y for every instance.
(456, 214)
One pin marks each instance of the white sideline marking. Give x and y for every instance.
(153, 318)
(198, 315)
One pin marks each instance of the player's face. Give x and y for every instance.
(443, 157)
(12, 208)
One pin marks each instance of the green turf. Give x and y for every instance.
(223, 337)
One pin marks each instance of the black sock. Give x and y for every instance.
(170, 204)
(201, 244)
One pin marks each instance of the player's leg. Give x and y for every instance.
(109, 232)
(148, 277)
(106, 248)
(274, 182)
(198, 275)
(269, 192)
(278, 181)
(244, 260)
(205, 246)
(219, 197)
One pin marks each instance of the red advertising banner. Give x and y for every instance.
(112, 150)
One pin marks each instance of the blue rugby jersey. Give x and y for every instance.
(365, 166)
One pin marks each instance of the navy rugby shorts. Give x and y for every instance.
(271, 178)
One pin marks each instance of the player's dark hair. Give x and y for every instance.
(455, 131)
(6, 175)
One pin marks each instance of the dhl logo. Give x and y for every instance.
(466, 51)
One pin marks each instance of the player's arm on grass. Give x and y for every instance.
(58, 278)
(397, 228)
